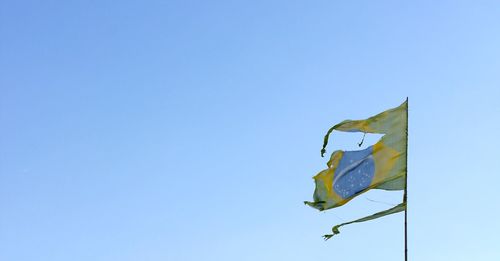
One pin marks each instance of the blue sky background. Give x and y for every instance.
(190, 130)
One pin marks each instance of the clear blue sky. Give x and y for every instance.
(190, 130)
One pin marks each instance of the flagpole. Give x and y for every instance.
(406, 186)
(406, 229)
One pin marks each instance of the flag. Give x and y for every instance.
(380, 166)
(394, 210)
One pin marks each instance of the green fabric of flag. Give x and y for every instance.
(380, 166)
(394, 210)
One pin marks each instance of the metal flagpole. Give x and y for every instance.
(406, 229)
(406, 186)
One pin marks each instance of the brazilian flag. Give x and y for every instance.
(381, 166)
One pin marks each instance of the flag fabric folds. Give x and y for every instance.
(394, 210)
(380, 166)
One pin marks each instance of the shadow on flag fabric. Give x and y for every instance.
(380, 166)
